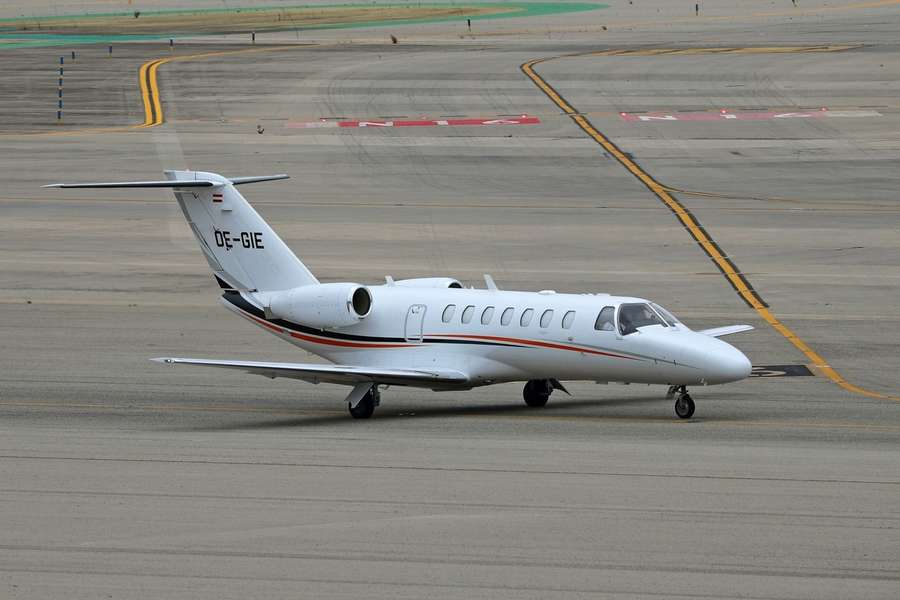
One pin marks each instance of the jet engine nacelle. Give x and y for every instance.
(429, 282)
(322, 305)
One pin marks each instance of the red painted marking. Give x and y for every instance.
(360, 124)
(217, 197)
(551, 345)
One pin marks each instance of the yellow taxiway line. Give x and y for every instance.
(149, 82)
(730, 271)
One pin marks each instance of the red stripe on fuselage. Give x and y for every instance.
(318, 340)
(331, 342)
(265, 324)
(536, 343)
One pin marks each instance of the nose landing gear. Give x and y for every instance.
(684, 404)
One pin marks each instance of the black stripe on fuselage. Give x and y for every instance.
(240, 302)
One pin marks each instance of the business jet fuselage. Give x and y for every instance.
(432, 332)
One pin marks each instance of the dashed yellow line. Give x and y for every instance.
(737, 280)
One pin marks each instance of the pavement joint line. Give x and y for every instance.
(726, 266)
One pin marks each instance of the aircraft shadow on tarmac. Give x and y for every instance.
(388, 413)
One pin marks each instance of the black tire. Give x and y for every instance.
(536, 393)
(684, 407)
(365, 408)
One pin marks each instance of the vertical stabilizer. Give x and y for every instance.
(239, 245)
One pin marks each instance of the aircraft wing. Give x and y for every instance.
(339, 374)
(727, 330)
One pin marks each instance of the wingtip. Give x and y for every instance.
(164, 360)
(53, 185)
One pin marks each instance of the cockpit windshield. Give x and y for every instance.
(666, 315)
(633, 316)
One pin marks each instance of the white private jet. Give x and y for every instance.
(431, 332)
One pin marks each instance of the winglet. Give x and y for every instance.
(489, 282)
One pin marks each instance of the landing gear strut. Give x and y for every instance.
(536, 392)
(684, 404)
(364, 408)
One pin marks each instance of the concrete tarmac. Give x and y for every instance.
(126, 479)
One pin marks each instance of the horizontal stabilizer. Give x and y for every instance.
(727, 330)
(340, 374)
(137, 184)
(176, 183)
(257, 179)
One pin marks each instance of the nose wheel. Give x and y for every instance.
(684, 404)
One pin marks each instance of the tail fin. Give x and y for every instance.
(239, 245)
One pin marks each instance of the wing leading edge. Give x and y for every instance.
(339, 374)
(727, 330)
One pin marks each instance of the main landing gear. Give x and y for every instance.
(684, 404)
(362, 401)
(537, 391)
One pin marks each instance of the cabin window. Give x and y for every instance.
(467, 313)
(606, 320)
(568, 319)
(448, 313)
(487, 315)
(633, 316)
(507, 316)
(525, 319)
(546, 318)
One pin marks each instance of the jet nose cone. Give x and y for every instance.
(727, 363)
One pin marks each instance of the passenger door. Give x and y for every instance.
(415, 321)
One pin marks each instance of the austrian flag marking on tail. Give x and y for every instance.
(217, 197)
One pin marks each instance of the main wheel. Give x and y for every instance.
(536, 393)
(365, 408)
(684, 406)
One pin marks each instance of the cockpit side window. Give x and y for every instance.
(633, 316)
(606, 320)
(666, 315)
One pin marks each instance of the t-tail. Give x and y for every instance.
(244, 253)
